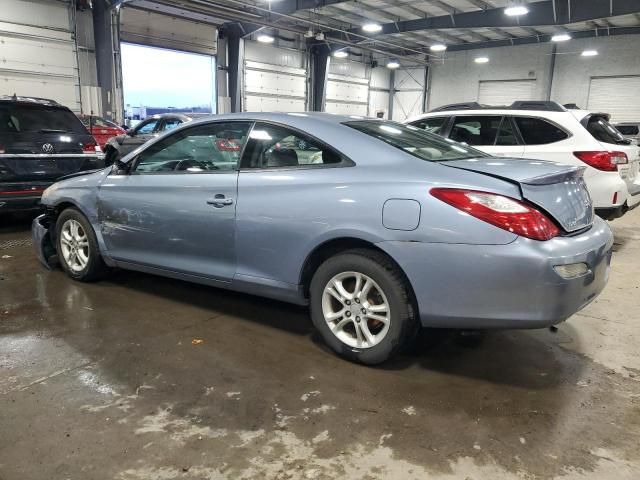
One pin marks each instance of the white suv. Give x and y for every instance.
(549, 131)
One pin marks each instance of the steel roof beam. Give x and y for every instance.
(543, 13)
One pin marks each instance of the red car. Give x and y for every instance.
(101, 129)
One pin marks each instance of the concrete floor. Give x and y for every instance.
(110, 381)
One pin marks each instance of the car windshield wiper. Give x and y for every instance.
(53, 130)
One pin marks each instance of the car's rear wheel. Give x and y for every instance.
(362, 306)
(77, 247)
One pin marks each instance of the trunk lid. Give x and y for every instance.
(556, 188)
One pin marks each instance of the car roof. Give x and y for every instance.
(291, 118)
(14, 99)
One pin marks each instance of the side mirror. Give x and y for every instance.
(120, 168)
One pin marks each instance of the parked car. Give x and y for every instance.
(40, 141)
(380, 227)
(101, 129)
(119, 146)
(630, 130)
(549, 131)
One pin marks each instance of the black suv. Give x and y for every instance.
(40, 141)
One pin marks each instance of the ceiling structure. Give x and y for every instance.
(410, 27)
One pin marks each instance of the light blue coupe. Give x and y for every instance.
(379, 227)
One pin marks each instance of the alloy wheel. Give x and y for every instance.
(356, 309)
(74, 244)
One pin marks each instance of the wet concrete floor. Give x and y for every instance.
(140, 377)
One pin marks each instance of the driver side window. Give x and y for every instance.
(210, 148)
(147, 128)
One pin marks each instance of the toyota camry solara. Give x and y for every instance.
(379, 227)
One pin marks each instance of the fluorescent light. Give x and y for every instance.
(340, 54)
(393, 65)
(438, 47)
(265, 38)
(481, 60)
(589, 53)
(372, 27)
(516, 11)
(561, 37)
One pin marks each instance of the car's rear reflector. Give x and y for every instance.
(605, 161)
(91, 148)
(503, 212)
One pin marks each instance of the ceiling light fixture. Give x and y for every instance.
(320, 36)
(438, 47)
(309, 33)
(589, 53)
(561, 37)
(393, 64)
(340, 54)
(372, 27)
(482, 60)
(516, 11)
(264, 38)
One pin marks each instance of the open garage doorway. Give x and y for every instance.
(158, 80)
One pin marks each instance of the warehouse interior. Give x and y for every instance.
(145, 377)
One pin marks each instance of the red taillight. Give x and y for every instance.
(605, 161)
(91, 147)
(503, 212)
(227, 145)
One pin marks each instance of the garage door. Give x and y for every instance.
(164, 31)
(347, 95)
(38, 52)
(618, 96)
(505, 92)
(274, 88)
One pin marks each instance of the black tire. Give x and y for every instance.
(111, 156)
(95, 267)
(403, 325)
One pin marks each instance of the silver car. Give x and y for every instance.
(380, 228)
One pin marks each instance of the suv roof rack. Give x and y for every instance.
(39, 100)
(518, 105)
(571, 106)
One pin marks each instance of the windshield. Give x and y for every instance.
(415, 141)
(600, 128)
(15, 118)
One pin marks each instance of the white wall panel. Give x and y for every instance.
(378, 102)
(380, 78)
(346, 68)
(347, 95)
(257, 103)
(408, 99)
(38, 52)
(164, 31)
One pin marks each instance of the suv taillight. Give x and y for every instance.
(503, 212)
(605, 161)
(91, 147)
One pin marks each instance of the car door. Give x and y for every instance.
(494, 134)
(175, 209)
(141, 134)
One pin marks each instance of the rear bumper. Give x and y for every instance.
(20, 203)
(504, 286)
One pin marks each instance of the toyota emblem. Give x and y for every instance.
(47, 148)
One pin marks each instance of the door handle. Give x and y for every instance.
(220, 201)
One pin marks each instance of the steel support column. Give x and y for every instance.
(103, 37)
(320, 59)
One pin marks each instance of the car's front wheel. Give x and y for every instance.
(77, 247)
(362, 306)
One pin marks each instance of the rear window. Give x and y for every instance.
(431, 125)
(628, 129)
(600, 128)
(15, 118)
(416, 142)
(536, 131)
(97, 122)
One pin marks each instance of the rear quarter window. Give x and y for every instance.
(600, 129)
(537, 131)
